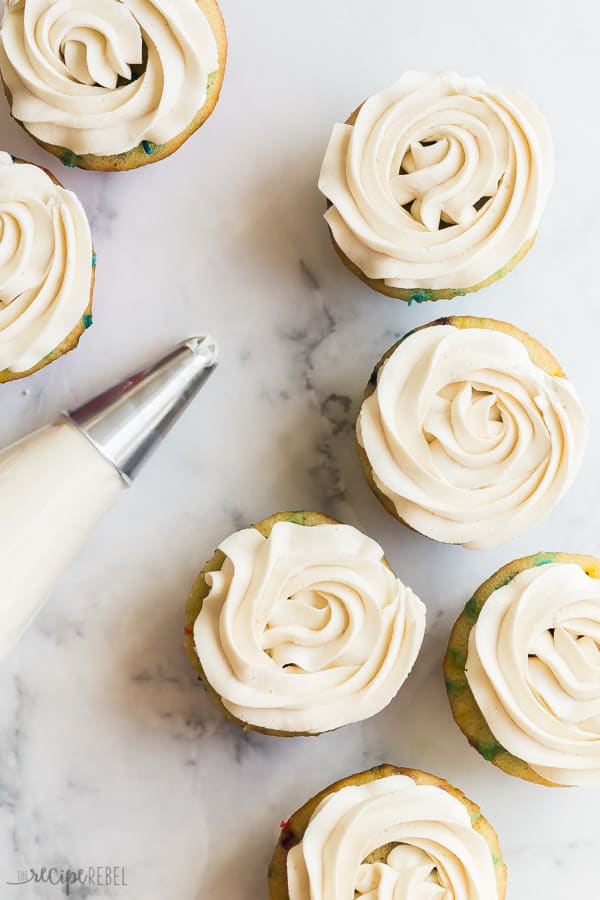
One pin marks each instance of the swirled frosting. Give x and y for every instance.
(306, 630)
(433, 852)
(534, 669)
(101, 76)
(45, 264)
(439, 182)
(469, 438)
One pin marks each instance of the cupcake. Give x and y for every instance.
(112, 85)
(469, 432)
(436, 186)
(388, 832)
(46, 269)
(298, 626)
(523, 669)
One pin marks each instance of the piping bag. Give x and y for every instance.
(57, 483)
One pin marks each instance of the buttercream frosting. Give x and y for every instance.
(306, 630)
(101, 76)
(433, 851)
(471, 440)
(439, 181)
(45, 264)
(534, 669)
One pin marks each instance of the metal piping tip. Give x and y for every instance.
(128, 421)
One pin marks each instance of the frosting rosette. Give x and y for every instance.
(46, 265)
(533, 667)
(465, 438)
(392, 839)
(305, 629)
(101, 76)
(437, 183)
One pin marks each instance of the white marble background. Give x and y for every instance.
(110, 752)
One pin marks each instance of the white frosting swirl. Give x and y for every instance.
(437, 854)
(101, 76)
(471, 441)
(45, 264)
(306, 630)
(534, 669)
(439, 182)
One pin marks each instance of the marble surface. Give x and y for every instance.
(111, 753)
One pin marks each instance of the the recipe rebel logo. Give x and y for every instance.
(68, 879)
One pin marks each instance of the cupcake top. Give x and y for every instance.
(421, 835)
(45, 264)
(101, 76)
(438, 181)
(307, 629)
(533, 666)
(469, 439)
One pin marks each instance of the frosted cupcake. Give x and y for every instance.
(112, 85)
(388, 833)
(523, 669)
(436, 186)
(298, 626)
(469, 432)
(46, 269)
